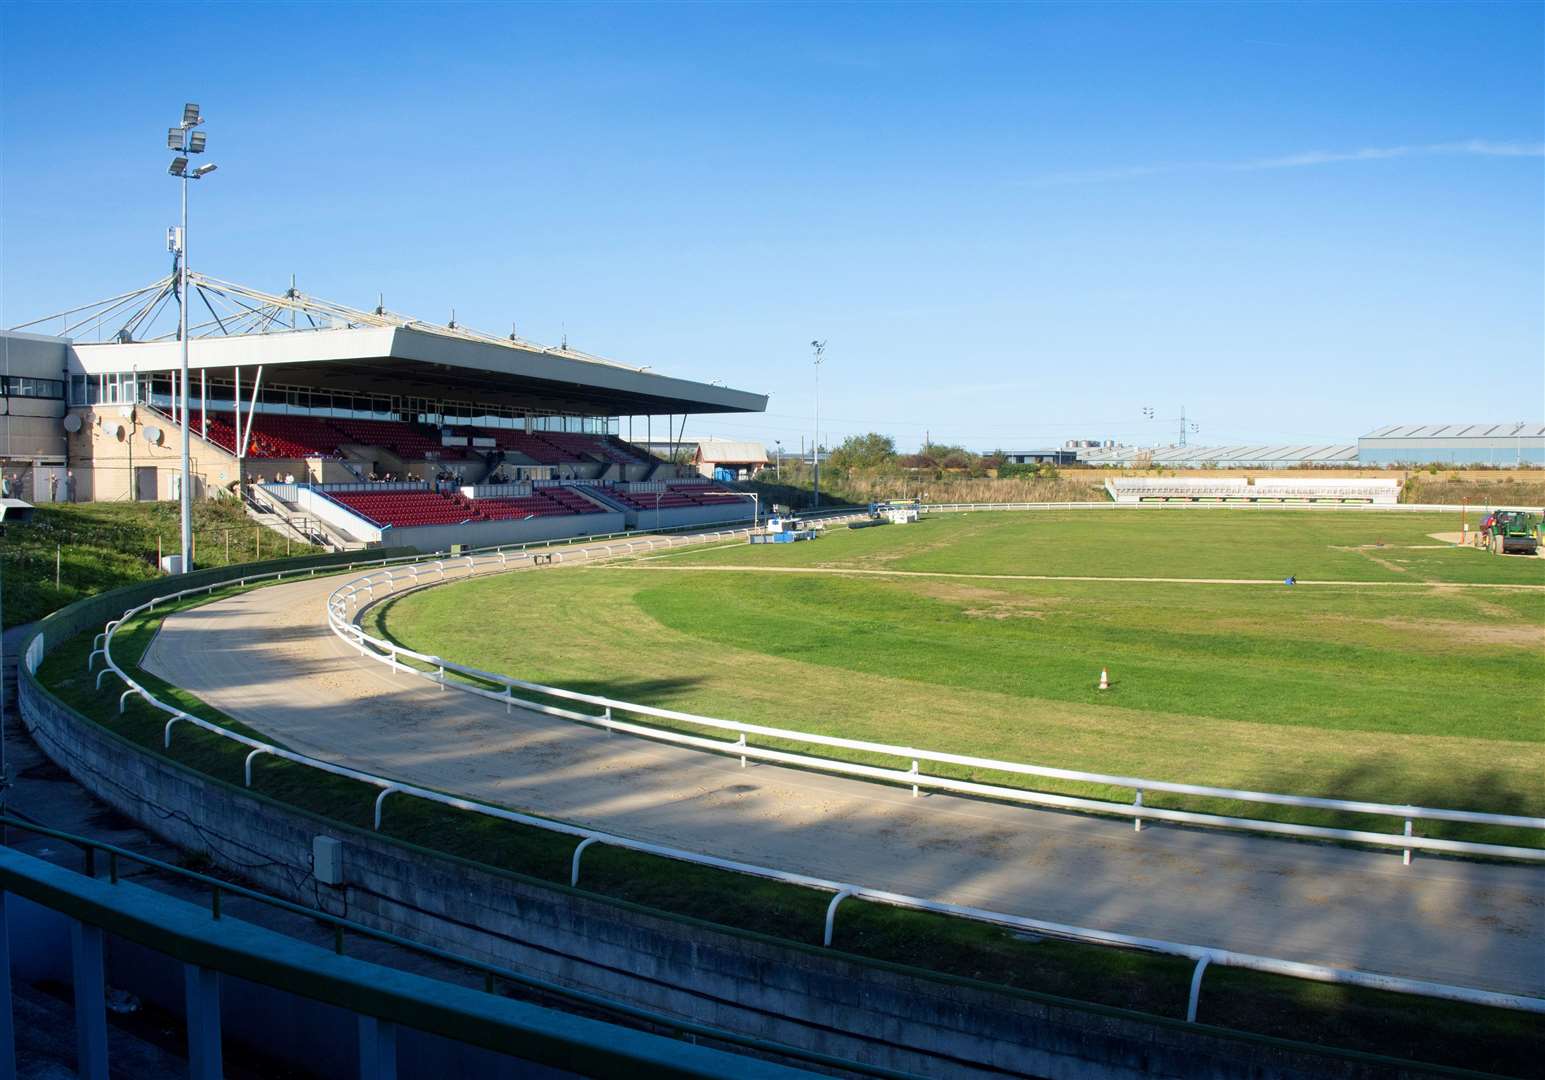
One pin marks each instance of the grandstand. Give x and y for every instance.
(317, 401)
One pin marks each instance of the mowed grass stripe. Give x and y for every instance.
(1320, 545)
(1424, 696)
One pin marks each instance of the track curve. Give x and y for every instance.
(268, 659)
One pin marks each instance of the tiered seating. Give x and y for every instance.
(532, 446)
(674, 497)
(274, 435)
(404, 509)
(631, 454)
(407, 508)
(559, 447)
(411, 442)
(580, 447)
(570, 500)
(543, 502)
(1265, 489)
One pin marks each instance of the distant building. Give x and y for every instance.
(1041, 457)
(1238, 456)
(723, 459)
(1504, 445)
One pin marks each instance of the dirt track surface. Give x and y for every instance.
(268, 659)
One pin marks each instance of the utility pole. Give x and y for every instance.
(815, 452)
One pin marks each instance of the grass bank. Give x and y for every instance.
(102, 546)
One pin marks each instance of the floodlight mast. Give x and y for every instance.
(185, 141)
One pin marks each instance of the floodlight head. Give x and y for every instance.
(174, 138)
(204, 170)
(190, 115)
(179, 166)
(196, 142)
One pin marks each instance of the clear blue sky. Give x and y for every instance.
(1013, 224)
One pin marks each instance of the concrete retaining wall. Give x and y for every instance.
(935, 1026)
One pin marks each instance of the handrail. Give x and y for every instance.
(1314, 972)
(218, 887)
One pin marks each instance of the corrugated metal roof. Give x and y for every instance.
(1224, 455)
(740, 453)
(1458, 431)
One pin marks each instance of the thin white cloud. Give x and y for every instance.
(1305, 159)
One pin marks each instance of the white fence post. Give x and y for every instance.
(831, 914)
(574, 863)
(1196, 987)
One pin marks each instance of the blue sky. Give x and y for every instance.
(1012, 224)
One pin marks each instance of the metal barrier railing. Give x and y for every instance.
(391, 653)
(118, 858)
(1202, 956)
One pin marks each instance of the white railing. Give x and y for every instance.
(362, 590)
(1202, 956)
(1417, 508)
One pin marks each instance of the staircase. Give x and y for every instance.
(267, 509)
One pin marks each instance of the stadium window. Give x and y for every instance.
(25, 386)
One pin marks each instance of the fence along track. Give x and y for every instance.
(387, 653)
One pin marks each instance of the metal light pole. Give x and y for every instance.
(756, 503)
(185, 141)
(815, 451)
(779, 467)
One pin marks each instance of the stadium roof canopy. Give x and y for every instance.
(1243, 455)
(305, 342)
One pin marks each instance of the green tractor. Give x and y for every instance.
(1510, 532)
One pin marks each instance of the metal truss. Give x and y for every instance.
(232, 310)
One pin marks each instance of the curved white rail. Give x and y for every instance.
(349, 595)
(337, 604)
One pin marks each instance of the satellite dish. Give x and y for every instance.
(154, 435)
(72, 423)
(127, 412)
(114, 430)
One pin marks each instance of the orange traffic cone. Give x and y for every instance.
(1104, 679)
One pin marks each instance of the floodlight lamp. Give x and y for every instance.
(174, 138)
(190, 115)
(204, 170)
(179, 166)
(196, 142)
